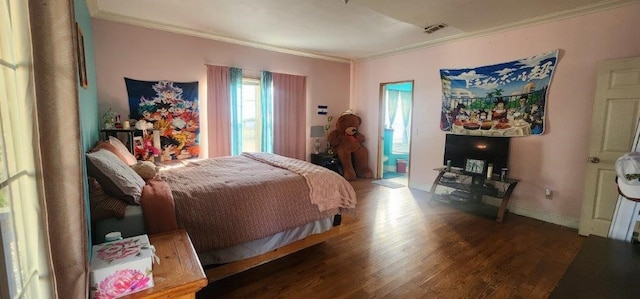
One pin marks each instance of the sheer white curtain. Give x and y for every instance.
(392, 106)
(405, 99)
(289, 115)
(24, 265)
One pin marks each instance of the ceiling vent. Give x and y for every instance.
(434, 28)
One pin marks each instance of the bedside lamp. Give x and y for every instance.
(317, 132)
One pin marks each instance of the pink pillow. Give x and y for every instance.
(107, 146)
(123, 151)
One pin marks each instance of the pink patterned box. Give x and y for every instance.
(121, 267)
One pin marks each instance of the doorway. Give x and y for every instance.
(394, 148)
(616, 111)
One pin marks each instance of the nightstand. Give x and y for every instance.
(179, 274)
(329, 161)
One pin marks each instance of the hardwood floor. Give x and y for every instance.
(403, 245)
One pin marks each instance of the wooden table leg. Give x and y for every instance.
(435, 183)
(505, 202)
(502, 210)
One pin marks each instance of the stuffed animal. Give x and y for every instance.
(347, 143)
(146, 169)
(144, 149)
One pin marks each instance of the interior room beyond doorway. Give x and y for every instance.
(397, 103)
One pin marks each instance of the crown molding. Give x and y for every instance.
(92, 5)
(95, 12)
(98, 14)
(566, 14)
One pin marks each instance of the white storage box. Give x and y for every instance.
(121, 267)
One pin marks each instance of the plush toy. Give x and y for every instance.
(146, 169)
(347, 143)
(144, 149)
(143, 125)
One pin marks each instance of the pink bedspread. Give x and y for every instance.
(228, 200)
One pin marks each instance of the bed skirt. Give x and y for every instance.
(260, 246)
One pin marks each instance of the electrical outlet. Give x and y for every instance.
(548, 193)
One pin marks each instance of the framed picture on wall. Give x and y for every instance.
(82, 66)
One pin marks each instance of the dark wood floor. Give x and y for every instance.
(604, 268)
(403, 245)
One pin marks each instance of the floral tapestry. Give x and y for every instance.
(506, 99)
(172, 108)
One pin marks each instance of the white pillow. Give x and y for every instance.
(123, 150)
(115, 177)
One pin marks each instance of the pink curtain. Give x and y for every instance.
(289, 115)
(218, 111)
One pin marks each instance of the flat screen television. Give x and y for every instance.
(495, 150)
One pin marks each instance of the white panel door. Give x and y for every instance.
(615, 114)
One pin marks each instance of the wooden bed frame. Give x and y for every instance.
(226, 270)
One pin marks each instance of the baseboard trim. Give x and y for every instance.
(539, 215)
(542, 216)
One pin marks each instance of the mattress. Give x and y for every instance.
(133, 225)
(257, 247)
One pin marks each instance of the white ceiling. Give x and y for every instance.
(335, 30)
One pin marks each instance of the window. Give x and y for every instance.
(24, 269)
(398, 114)
(398, 128)
(251, 121)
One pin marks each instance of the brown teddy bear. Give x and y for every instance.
(347, 142)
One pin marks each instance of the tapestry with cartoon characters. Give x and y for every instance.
(506, 99)
(172, 108)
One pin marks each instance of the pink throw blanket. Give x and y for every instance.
(327, 189)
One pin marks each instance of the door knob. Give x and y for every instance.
(594, 159)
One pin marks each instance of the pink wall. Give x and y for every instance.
(555, 159)
(146, 54)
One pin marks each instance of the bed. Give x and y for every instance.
(239, 209)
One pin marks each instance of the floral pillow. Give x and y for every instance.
(115, 177)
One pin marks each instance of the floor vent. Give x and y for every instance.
(434, 28)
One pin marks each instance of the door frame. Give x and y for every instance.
(382, 117)
(604, 164)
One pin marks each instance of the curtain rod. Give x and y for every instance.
(256, 70)
(206, 64)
